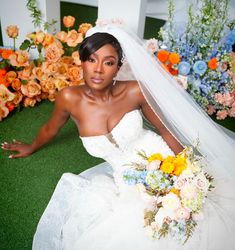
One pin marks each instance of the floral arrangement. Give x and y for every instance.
(175, 188)
(199, 55)
(26, 81)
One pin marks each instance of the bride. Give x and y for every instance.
(95, 209)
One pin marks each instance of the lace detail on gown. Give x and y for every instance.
(97, 211)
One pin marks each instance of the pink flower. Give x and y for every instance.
(221, 114)
(180, 182)
(210, 109)
(182, 213)
(201, 182)
(152, 45)
(231, 112)
(189, 191)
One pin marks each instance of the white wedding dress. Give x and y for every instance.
(97, 211)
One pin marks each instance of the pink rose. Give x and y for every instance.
(182, 213)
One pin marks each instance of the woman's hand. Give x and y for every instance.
(22, 149)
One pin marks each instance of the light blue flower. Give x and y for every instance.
(184, 68)
(200, 67)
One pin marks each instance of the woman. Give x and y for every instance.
(96, 211)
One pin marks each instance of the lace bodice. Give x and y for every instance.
(120, 146)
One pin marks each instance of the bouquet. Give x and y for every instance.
(176, 188)
(198, 54)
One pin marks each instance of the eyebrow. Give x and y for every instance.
(106, 57)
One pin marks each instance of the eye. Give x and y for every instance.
(109, 63)
(90, 59)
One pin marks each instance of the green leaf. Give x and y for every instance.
(25, 45)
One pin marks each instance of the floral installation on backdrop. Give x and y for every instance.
(199, 55)
(174, 189)
(24, 81)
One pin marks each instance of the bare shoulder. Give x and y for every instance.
(68, 96)
(130, 86)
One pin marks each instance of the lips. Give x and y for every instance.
(97, 80)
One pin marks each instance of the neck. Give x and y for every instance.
(100, 95)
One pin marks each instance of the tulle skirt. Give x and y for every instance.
(89, 212)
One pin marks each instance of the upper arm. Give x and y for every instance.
(61, 111)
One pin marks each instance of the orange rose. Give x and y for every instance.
(68, 21)
(7, 53)
(163, 55)
(74, 38)
(74, 73)
(10, 76)
(84, 27)
(60, 83)
(20, 58)
(12, 31)
(16, 84)
(174, 58)
(31, 89)
(54, 52)
(67, 60)
(212, 64)
(48, 86)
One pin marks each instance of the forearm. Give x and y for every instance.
(45, 135)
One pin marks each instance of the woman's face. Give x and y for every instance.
(101, 67)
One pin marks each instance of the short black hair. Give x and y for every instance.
(94, 42)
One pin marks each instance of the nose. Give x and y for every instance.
(99, 67)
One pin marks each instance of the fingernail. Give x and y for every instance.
(10, 156)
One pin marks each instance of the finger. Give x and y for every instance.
(14, 156)
(10, 146)
(16, 142)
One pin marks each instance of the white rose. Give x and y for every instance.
(171, 202)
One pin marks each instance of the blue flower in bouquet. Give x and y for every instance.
(200, 67)
(184, 68)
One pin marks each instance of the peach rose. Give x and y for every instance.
(74, 73)
(16, 84)
(62, 36)
(10, 76)
(18, 98)
(67, 60)
(76, 58)
(221, 114)
(31, 89)
(84, 27)
(38, 73)
(68, 21)
(51, 97)
(39, 37)
(25, 74)
(48, 39)
(48, 86)
(74, 38)
(54, 52)
(60, 83)
(12, 31)
(5, 94)
(44, 96)
(62, 68)
(20, 58)
(4, 111)
(29, 102)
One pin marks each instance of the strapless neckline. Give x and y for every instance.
(114, 128)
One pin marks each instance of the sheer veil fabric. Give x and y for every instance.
(174, 106)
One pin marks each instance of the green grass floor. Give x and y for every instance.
(27, 184)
